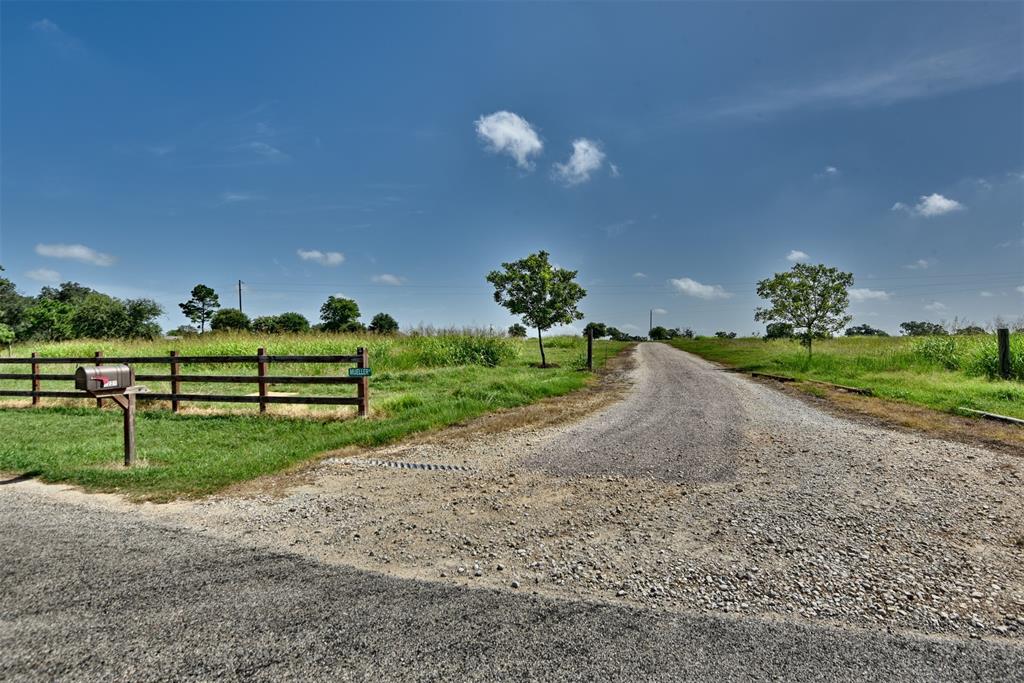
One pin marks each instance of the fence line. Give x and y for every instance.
(262, 378)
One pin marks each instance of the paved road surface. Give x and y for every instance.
(88, 593)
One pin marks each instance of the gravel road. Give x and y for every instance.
(683, 421)
(90, 593)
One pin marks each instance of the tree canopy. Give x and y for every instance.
(913, 328)
(865, 330)
(382, 323)
(229, 319)
(340, 315)
(812, 298)
(543, 295)
(516, 330)
(201, 307)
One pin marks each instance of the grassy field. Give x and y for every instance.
(419, 383)
(939, 372)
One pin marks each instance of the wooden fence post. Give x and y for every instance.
(261, 370)
(35, 379)
(590, 349)
(364, 382)
(129, 424)
(175, 384)
(1004, 352)
(99, 354)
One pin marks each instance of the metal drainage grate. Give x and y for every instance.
(401, 465)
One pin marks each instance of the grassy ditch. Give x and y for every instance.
(942, 373)
(419, 383)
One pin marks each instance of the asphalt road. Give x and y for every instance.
(90, 593)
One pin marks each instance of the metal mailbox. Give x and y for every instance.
(103, 378)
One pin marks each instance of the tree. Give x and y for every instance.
(183, 331)
(199, 309)
(382, 323)
(812, 298)
(12, 304)
(68, 292)
(292, 322)
(516, 330)
(659, 333)
(227, 319)
(340, 315)
(6, 337)
(544, 295)
(686, 332)
(865, 331)
(722, 334)
(48, 320)
(913, 328)
(600, 330)
(264, 324)
(778, 330)
(971, 329)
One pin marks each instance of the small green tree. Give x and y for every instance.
(516, 330)
(812, 298)
(200, 308)
(913, 328)
(865, 330)
(340, 315)
(48, 320)
(6, 337)
(544, 295)
(722, 334)
(659, 333)
(600, 330)
(383, 323)
(183, 331)
(229, 319)
(778, 331)
(292, 322)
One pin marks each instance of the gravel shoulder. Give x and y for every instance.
(788, 514)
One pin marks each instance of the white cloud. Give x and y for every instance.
(796, 255)
(619, 228)
(265, 150)
(864, 294)
(828, 172)
(234, 197)
(586, 158)
(508, 133)
(324, 258)
(613, 170)
(831, 170)
(44, 275)
(903, 77)
(45, 26)
(690, 287)
(388, 279)
(919, 264)
(638, 275)
(986, 294)
(930, 205)
(75, 252)
(660, 311)
(1021, 289)
(935, 306)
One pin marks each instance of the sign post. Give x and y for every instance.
(116, 382)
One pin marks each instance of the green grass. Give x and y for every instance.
(896, 368)
(418, 384)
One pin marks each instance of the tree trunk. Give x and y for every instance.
(543, 359)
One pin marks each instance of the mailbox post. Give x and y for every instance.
(116, 382)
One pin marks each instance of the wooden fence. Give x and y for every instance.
(174, 361)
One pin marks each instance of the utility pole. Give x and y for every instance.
(650, 325)
(240, 283)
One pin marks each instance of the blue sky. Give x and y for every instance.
(673, 153)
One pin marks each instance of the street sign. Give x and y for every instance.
(360, 372)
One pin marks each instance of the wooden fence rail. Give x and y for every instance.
(262, 379)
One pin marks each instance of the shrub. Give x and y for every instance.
(229, 319)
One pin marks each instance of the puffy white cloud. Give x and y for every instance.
(1021, 289)
(639, 276)
(831, 170)
(986, 294)
(691, 287)
(235, 197)
(935, 306)
(919, 264)
(796, 255)
(324, 258)
(864, 294)
(44, 275)
(930, 205)
(75, 252)
(660, 311)
(508, 133)
(586, 158)
(388, 279)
